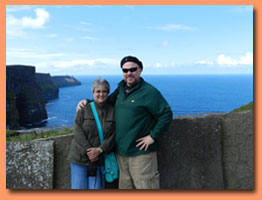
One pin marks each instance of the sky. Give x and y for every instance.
(168, 39)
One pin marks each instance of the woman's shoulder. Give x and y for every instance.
(85, 112)
(85, 108)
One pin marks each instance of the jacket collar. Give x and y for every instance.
(122, 85)
(138, 85)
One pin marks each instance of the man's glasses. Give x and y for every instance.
(133, 69)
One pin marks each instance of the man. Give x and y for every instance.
(142, 115)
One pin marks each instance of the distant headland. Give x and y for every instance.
(65, 81)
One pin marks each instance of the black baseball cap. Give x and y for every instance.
(131, 59)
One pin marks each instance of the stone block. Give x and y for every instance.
(62, 177)
(190, 154)
(29, 165)
(238, 150)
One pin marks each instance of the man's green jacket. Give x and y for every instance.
(143, 111)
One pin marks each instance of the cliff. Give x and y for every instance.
(24, 101)
(12, 115)
(65, 81)
(27, 92)
(48, 87)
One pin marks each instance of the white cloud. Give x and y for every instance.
(56, 65)
(130, 7)
(72, 63)
(30, 53)
(85, 23)
(89, 38)
(223, 60)
(79, 66)
(204, 62)
(247, 59)
(94, 6)
(165, 43)
(83, 29)
(69, 39)
(86, 62)
(242, 9)
(159, 65)
(12, 8)
(51, 35)
(42, 17)
(228, 61)
(170, 27)
(16, 26)
(85, 26)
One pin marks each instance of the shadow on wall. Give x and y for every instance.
(213, 151)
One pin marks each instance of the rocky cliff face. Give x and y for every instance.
(25, 103)
(65, 81)
(27, 92)
(48, 87)
(12, 115)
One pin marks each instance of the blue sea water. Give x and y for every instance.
(186, 94)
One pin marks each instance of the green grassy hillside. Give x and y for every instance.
(244, 108)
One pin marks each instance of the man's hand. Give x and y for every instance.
(81, 104)
(145, 142)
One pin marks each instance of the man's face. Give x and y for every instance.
(131, 73)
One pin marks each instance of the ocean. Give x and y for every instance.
(186, 94)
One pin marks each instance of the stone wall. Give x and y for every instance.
(213, 151)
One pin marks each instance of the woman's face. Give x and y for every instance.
(100, 94)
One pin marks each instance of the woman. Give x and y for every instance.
(86, 152)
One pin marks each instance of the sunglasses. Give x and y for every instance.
(133, 69)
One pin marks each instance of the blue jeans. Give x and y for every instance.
(80, 179)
